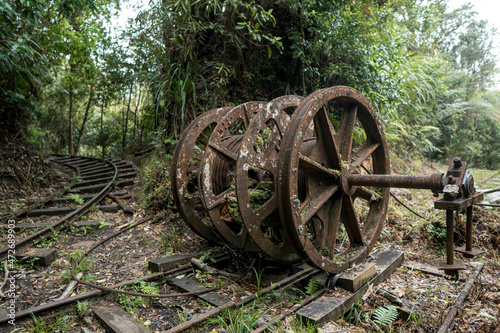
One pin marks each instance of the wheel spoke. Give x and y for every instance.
(351, 222)
(329, 237)
(313, 204)
(267, 208)
(224, 153)
(364, 193)
(365, 151)
(309, 166)
(346, 132)
(326, 136)
(217, 201)
(248, 114)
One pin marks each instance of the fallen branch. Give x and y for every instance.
(70, 287)
(211, 270)
(126, 209)
(461, 299)
(120, 227)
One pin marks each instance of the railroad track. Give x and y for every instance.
(94, 180)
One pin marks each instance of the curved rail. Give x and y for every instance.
(74, 214)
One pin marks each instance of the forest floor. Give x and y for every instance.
(127, 256)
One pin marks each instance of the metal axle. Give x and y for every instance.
(433, 182)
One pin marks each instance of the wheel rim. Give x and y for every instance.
(220, 158)
(257, 174)
(184, 173)
(329, 222)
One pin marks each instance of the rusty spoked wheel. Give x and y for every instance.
(185, 172)
(326, 220)
(217, 177)
(257, 174)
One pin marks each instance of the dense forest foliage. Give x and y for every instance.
(70, 85)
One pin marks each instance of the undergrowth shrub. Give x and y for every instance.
(155, 181)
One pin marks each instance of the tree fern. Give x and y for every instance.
(385, 315)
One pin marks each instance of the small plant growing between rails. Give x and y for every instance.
(47, 241)
(312, 286)
(83, 311)
(241, 320)
(131, 303)
(61, 324)
(83, 264)
(76, 198)
(356, 314)
(298, 325)
(170, 242)
(103, 224)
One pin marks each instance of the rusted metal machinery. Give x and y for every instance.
(302, 178)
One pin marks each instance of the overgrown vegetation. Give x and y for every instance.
(428, 70)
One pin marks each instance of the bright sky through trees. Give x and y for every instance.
(486, 10)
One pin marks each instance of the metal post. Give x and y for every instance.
(450, 255)
(468, 230)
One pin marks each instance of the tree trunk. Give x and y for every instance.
(70, 127)
(125, 125)
(92, 88)
(101, 135)
(135, 113)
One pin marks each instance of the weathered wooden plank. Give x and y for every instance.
(87, 223)
(117, 320)
(84, 197)
(42, 257)
(167, 263)
(331, 308)
(97, 188)
(94, 171)
(113, 208)
(190, 285)
(355, 278)
(83, 244)
(30, 225)
(93, 182)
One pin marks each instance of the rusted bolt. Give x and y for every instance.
(451, 180)
(320, 183)
(457, 162)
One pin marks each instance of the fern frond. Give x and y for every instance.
(312, 286)
(385, 315)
